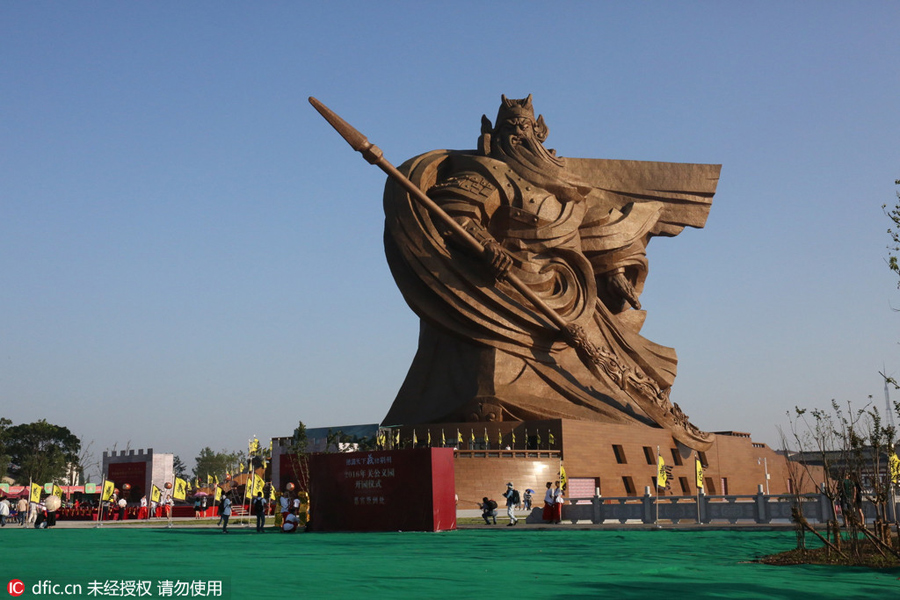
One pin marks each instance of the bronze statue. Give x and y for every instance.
(526, 269)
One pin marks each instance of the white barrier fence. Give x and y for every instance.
(734, 510)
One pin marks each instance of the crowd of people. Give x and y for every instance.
(291, 517)
(291, 514)
(552, 512)
(24, 513)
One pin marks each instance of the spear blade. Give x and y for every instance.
(351, 135)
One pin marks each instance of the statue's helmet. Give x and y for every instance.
(514, 109)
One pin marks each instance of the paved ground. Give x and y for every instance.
(466, 520)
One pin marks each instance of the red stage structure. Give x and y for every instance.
(393, 490)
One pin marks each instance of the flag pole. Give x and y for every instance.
(696, 478)
(100, 503)
(656, 492)
(249, 479)
(30, 494)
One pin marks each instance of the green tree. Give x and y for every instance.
(338, 441)
(894, 231)
(299, 441)
(851, 444)
(4, 455)
(210, 463)
(178, 467)
(40, 452)
(298, 457)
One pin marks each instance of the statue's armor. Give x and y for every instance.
(520, 215)
(485, 352)
(538, 231)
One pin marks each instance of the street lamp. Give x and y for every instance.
(765, 464)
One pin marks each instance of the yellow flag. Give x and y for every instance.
(661, 473)
(443, 439)
(215, 480)
(459, 439)
(894, 464)
(514, 437)
(35, 495)
(180, 491)
(257, 486)
(155, 494)
(473, 436)
(218, 494)
(415, 441)
(429, 438)
(698, 472)
(254, 446)
(109, 488)
(486, 440)
(539, 440)
(552, 439)
(57, 491)
(500, 438)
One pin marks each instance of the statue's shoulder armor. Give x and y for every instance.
(469, 176)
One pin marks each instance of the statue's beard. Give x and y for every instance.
(527, 156)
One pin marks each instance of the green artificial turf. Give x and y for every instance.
(466, 563)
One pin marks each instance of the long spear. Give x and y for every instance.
(375, 156)
(601, 363)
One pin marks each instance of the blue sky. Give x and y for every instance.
(190, 256)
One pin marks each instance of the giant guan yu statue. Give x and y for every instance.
(526, 269)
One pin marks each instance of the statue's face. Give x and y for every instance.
(517, 128)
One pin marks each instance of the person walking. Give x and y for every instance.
(4, 511)
(22, 511)
(267, 496)
(285, 504)
(512, 502)
(526, 499)
(226, 512)
(259, 507)
(557, 504)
